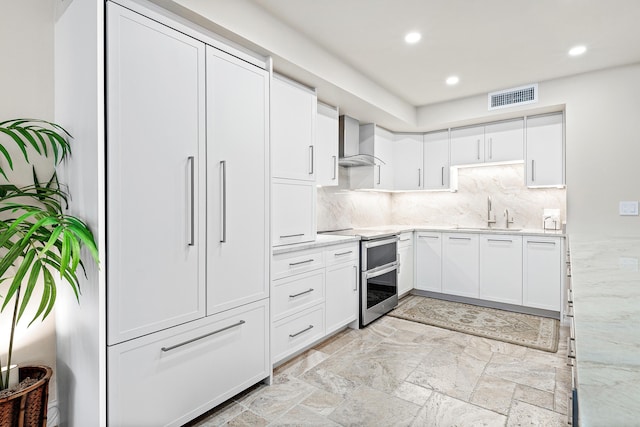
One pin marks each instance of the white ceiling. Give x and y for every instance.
(489, 44)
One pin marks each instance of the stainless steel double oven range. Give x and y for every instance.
(378, 272)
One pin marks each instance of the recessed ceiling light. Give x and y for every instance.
(413, 37)
(577, 50)
(452, 80)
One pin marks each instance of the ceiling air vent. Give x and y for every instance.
(511, 97)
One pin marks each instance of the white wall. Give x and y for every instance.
(601, 136)
(26, 90)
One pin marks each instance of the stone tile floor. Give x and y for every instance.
(400, 373)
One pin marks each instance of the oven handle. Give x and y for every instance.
(370, 274)
(379, 242)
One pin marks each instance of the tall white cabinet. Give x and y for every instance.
(188, 211)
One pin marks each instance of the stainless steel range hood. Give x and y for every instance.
(349, 145)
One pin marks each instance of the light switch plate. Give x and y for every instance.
(629, 208)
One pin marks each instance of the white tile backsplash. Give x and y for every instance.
(342, 208)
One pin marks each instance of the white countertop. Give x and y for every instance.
(321, 241)
(606, 294)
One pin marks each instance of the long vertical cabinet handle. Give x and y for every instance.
(192, 201)
(419, 177)
(378, 174)
(223, 201)
(533, 170)
(478, 148)
(311, 160)
(335, 167)
(355, 268)
(442, 176)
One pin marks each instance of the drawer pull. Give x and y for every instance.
(500, 240)
(343, 253)
(538, 242)
(306, 261)
(173, 347)
(459, 238)
(291, 235)
(301, 332)
(301, 293)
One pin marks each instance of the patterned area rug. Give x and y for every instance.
(523, 329)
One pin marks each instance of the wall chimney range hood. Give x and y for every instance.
(349, 145)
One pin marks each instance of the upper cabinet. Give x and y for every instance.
(495, 142)
(327, 146)
(407, 154)
(293, 130)
(545, 151)
(436, 160)
(376, 142)
(467, 145)
(504, 141)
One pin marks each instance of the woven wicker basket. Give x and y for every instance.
(28, 407)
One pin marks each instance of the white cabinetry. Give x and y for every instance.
(237, 182)
(460, 266)
(504, 141)
(175, 311)
(436, 160)
(429, 261)
(377, 142)
(407, 162)
(327, 146)
(545, 150)
(315, 293)
(542, 267)
(501, 268)
(493, 142)
(342, 285)
(293, 211)
(467, 145)
(405, 269)
(293, 130)
(170, 377)
(155, 262)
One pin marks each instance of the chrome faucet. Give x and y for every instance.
(489, 219)
(508, 221)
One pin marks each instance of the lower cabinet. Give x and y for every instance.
(172, 376)
(429, 261)
(460, 265)
(405, 269)
(542, 268)
(501, 268)
(314, 293)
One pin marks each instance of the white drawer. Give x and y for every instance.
(295, 293)
(406, 239)
(298, 331)
(341, 253)
(291, 263)
(170, 377)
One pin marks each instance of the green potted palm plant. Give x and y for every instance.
(40, 247)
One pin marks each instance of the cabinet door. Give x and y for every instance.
(294, 212)
(407, 162)
(429, 261)
(504, 141)
(237, 182)
(467, 145)
(436, 160)
(545, 151)
(501, 268)
(327, 146)
(155, 176)
(342, 295)
(384, 151)
(460, 265)
(293, 130)
(406, 267)
(170, 377)
(542, 268)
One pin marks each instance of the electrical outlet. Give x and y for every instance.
(629, 208)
